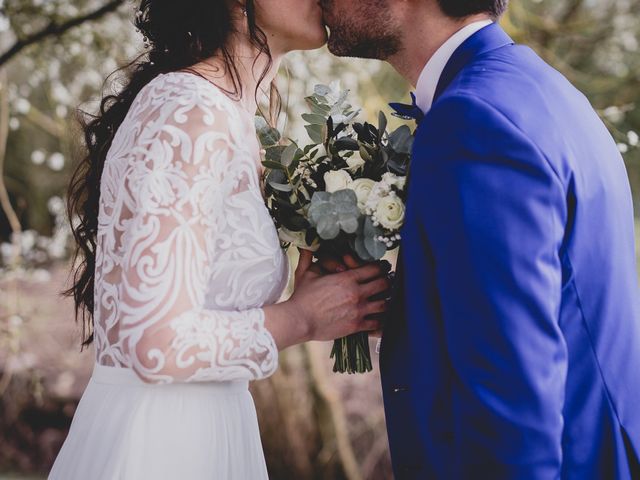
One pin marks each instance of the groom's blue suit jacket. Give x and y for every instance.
(513, 348)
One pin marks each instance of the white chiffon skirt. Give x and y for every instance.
(126, 429)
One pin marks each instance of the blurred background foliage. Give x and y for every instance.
(54, 58)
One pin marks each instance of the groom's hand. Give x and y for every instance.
(329, 264)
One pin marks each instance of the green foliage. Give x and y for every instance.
(331, 212)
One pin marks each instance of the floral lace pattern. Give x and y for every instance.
(187, 253)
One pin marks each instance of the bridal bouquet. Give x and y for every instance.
(342, 193)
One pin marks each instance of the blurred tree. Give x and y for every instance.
(596, 45)
(55, 55)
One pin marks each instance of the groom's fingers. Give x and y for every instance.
(304, 263)
(351, 262)
(317, 269)
(374, 287)
(371, 326)
(374, 310)
(331, 265)
(367, 272)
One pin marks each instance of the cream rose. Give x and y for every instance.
(337, 180)
(390, 212)
(362, 187)
(355, 162)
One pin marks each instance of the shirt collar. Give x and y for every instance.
(428, 80)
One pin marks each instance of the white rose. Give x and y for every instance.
(379, 190)
(390, 212)
(394, 180)
(362, 187)
(337, 180)
(297, 239)
(355, 162)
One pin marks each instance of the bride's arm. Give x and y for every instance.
(174, 196)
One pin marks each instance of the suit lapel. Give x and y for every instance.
(484, 40)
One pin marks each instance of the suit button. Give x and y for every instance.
(400, 388)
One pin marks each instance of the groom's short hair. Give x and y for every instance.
(464, 8)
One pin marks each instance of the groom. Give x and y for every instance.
(513, 350)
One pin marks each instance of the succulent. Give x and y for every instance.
(366, 243)
(331, 212)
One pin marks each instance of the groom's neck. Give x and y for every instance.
(423, 32)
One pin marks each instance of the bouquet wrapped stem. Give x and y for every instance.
(343, 193)
(352, 354)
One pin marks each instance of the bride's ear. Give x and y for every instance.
(240, 6)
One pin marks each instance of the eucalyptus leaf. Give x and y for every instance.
(315, 133)
(321, 210)
(328, 228)
(288, 153)
(322, 90)
(345, 196)
(321, 197)
(343, 96)
(401, 139)
(281, 187)
(382, 124)
(269, 136)
(349, 224)
(278, 176)
(273, 165)
(375, 248)
(314, 119)
(274, 153)
(320, 109)
(361, 250)
(260, 123)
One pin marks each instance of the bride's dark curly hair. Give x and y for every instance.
(178, 36)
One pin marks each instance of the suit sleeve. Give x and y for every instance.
(493, 212)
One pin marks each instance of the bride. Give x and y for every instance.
(181, 264)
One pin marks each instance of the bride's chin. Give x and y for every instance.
(321, 38)
(312, 40)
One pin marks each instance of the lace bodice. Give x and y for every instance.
(187, 253)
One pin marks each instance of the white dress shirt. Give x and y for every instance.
(430, 76)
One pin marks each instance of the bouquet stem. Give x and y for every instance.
(352, 354)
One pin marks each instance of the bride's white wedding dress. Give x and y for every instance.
(187, 255)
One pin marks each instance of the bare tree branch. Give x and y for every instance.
(5, 203)
(329, 395)
(54, 29)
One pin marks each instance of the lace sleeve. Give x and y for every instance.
(178, 177)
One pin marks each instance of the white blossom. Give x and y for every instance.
(337, 180)
(362, 187)
(390, 212)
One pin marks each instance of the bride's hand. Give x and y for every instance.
(326, 307)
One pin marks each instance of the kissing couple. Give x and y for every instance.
(511, 339)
